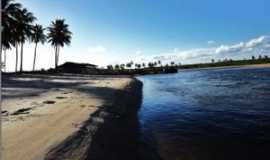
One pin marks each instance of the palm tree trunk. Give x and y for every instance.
(58, 51)
(55, 57)
(0, 75)
(5, 59)
(35, 54)
(1, 57)
(1, 64)
(16, 64)
(21, 67)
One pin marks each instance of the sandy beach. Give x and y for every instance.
(258, 65)
(39, 113)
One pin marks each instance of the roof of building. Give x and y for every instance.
(77, 65)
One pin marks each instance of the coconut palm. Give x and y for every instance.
(9, 10)
(59, 35)
(143, 65)
(24, 29)
(16, 48)
(15, 42)
(37, 36)
(5, 45)
(159, 62)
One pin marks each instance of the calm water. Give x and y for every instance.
(208, 114)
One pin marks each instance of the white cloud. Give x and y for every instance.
(185, 55)
(260, 44)
(244, 46)
(97, 49)
(256, 41)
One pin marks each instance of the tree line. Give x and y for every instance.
(220, 62)
(18, 26)
(131, 65)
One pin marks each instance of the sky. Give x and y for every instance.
(117, 31)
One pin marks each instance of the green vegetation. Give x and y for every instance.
(137, 70)
(172, 67)
(260, 60)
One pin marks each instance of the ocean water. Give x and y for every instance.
(210, 114)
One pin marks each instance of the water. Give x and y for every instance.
(208, 114)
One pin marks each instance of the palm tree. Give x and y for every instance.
(16, 41)
(37, 36)
(5, 45)
(9, 10)
(59, 35)
(143, 65)
(117, 66)
(159, 62)
(122, 66)
(24, 29)
(10, 39)
(128, 65)
(110, 67)
(150, 64)
(154, 64)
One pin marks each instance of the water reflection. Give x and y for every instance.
(208, 114)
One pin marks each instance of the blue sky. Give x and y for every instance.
(114, 31)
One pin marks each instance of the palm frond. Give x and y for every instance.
(59, 34)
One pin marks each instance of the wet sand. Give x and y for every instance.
(41, 112)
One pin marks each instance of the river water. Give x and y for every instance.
(209, 114)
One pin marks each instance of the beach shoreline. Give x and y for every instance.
(40, 114)
(68, 116)
(266, 65)
(110, 133)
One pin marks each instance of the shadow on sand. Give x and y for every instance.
(111, 133)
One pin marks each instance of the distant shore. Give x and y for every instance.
(265, 65)
(41, 112)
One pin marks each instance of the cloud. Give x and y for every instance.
(97, 49)
(256, 41)
(244, 46)
(185, 55)
(257, 45)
